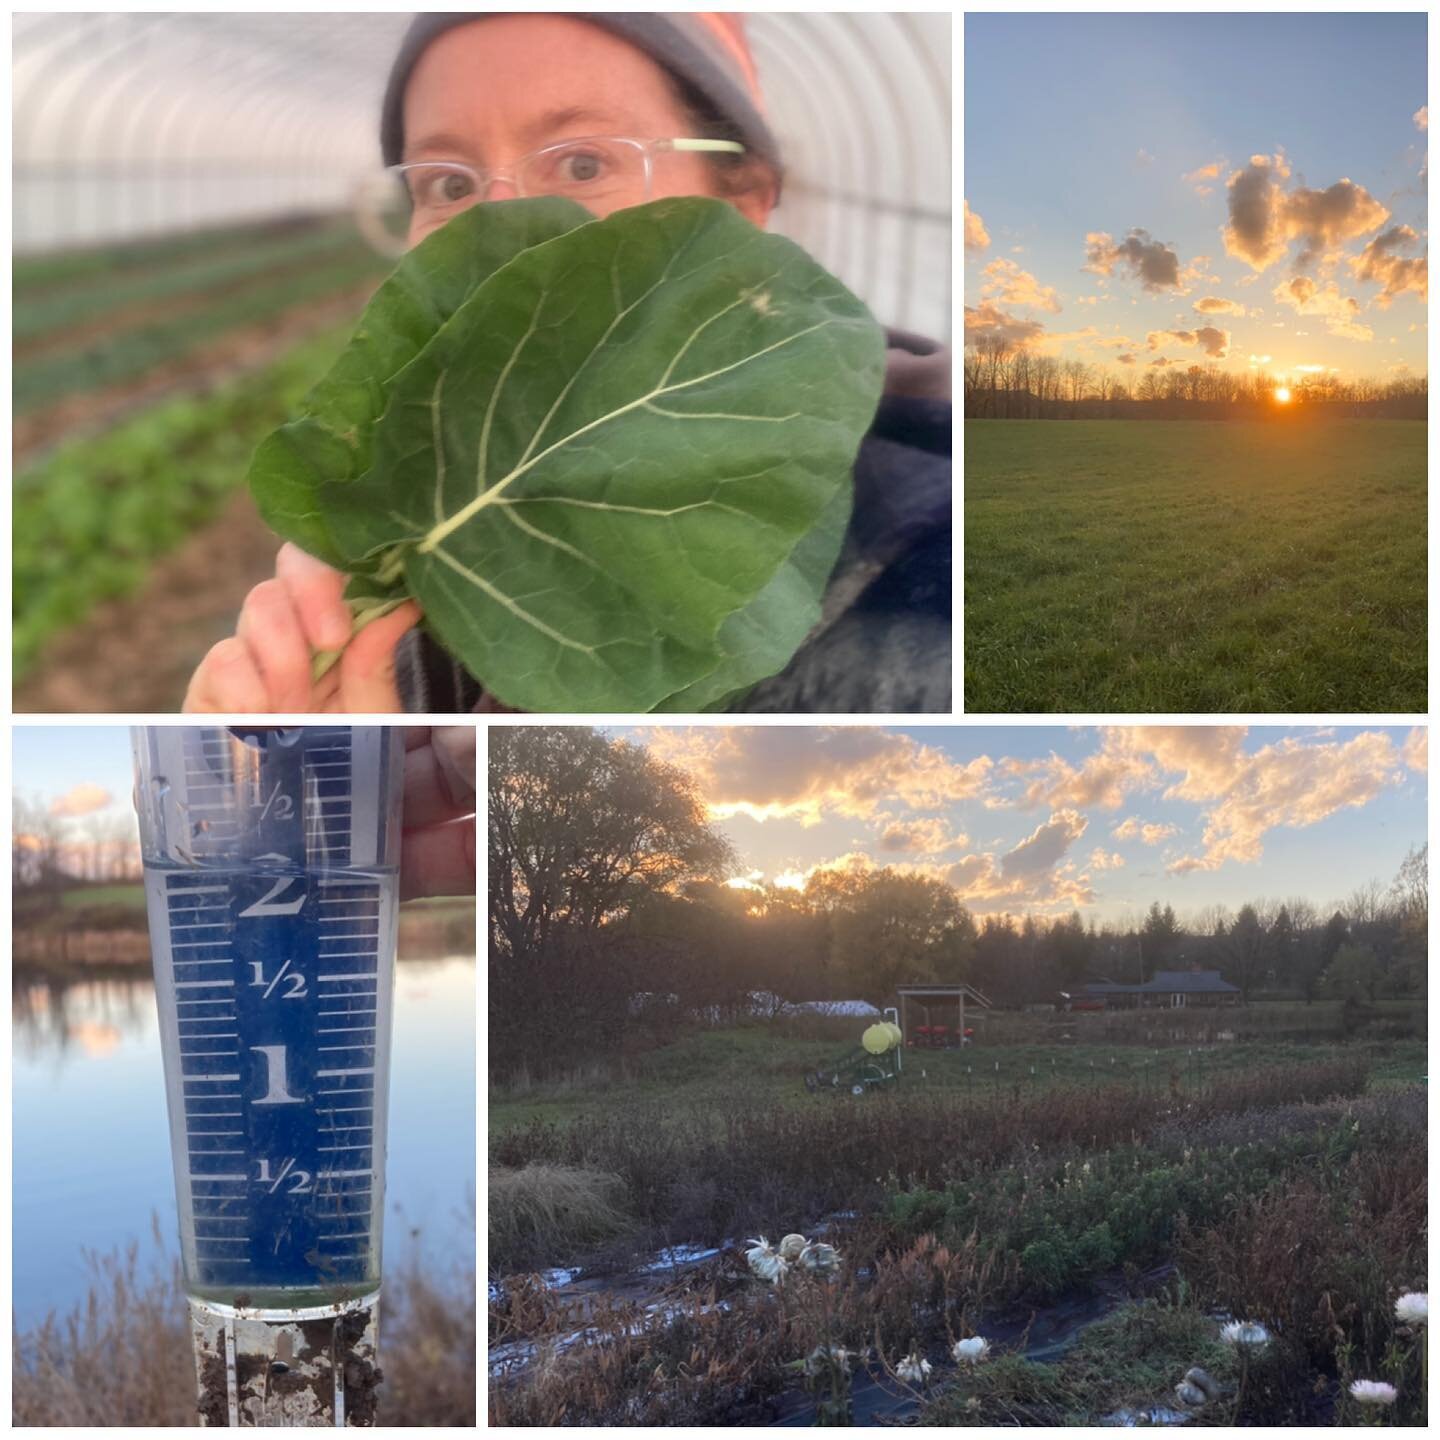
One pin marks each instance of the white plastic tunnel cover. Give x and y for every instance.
(136, 124)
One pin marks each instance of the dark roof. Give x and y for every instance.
(1171, 982)
(944, 992)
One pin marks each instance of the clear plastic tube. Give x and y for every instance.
(271, 877)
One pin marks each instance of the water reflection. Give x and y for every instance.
(91, 1141)
(51, 1017)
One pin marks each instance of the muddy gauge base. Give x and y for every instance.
(286, 1368)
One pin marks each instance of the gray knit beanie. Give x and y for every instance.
(706, 50)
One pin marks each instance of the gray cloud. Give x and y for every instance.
(1398, 274)
(1265, 217)
(1045, 847)
(1152, 262)
(987, 321)
(1215, 343)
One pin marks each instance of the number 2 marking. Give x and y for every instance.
(268, 905)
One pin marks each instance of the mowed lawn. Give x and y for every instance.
(1179, 565)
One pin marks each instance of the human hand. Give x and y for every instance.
(265, 667)
(437, 849)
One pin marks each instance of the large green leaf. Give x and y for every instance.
(759, 640)
(330, 440)
(598, 474)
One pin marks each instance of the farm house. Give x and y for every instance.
(1172, 989)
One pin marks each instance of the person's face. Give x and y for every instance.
(497, 89)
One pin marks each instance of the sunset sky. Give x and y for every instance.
(1045, 819)
(1154, 190)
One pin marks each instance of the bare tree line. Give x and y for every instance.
(1006, 381)
(50, 852)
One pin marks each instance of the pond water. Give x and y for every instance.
(91, 1143)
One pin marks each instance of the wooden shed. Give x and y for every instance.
(923, 1007)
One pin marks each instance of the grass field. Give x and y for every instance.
(1174, 566)
(753, 1064)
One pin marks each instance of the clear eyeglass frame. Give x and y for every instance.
(372, 195)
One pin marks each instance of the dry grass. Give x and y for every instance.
(124, 1357)
(543, 1209)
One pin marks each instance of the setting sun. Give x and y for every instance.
(1282, 396)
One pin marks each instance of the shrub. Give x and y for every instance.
(548, 1212)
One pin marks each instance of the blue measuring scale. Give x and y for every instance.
(271, 884)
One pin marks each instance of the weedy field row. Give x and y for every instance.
(1307, 1217)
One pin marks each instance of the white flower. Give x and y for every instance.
(1372, 1392)
(764, 1261)
(1189, 1395)
(1202, 1381)
(1245, 1332)
(820, 1259)
(971, 1351)
(1413, 1309)
(822, 1357)
(913, 1370)
(790, 1248)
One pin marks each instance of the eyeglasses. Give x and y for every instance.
(603, 173)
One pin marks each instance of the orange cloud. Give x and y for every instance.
(1007, 282)
(1417, 749)
(1135, 829)
(1399, 275)
(977, 237)
(1103, 780)
(1099, 860)
(1292, 783)
(921, 837)
(1422, 118)
(1216, 305)
(1339, 311)
(987, 321)
(84, 799)
(1215, 343)
(803, 772)
(1196, 178)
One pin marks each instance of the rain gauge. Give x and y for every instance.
(271, 875)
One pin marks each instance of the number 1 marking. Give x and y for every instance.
(277, 1094)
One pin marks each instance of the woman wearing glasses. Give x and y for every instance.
(613, 110)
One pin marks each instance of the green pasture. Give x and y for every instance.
(1195, 566)
(766, 1066)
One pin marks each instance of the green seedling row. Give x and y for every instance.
(90, 519)
(34, 275)
(104, 294)
(131, 353)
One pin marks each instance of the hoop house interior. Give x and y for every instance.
(138, 125)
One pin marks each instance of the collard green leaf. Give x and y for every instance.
(759, 640)
(330, 441)
(599, 476)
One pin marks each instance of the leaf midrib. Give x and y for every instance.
(489, 497)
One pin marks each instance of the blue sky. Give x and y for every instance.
(1081, 124)
(53, 761)
(1046, 819)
